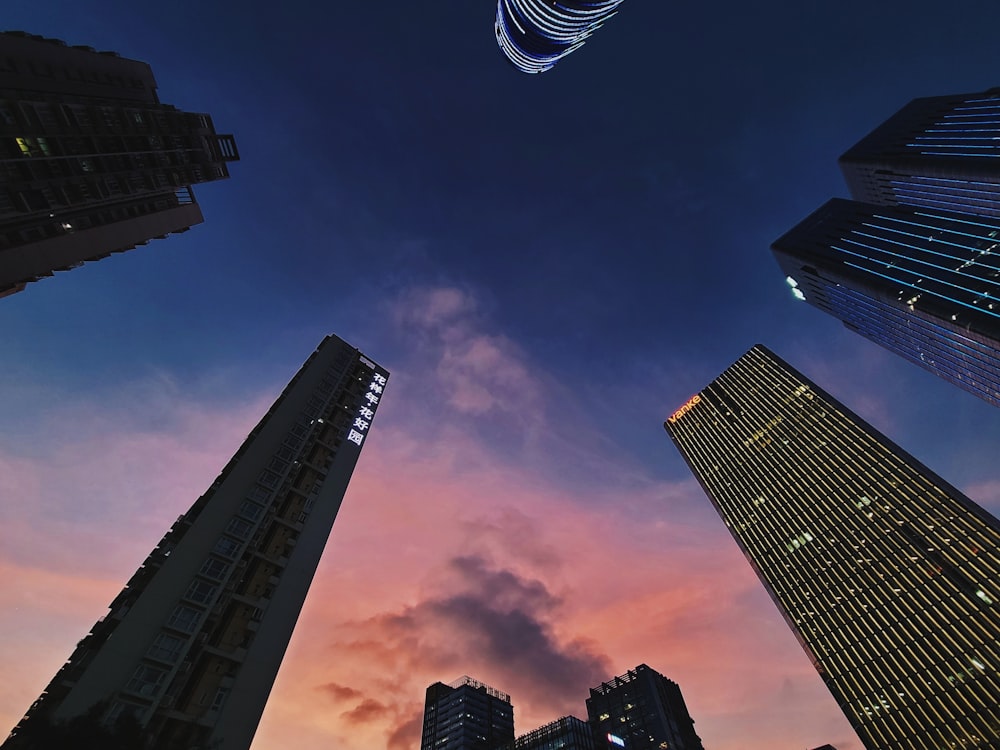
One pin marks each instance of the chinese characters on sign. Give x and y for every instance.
(363, 418)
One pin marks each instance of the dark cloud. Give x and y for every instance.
(368, 710)
(502, 622)
(340, 692)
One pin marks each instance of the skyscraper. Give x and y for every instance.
(567, 733)
(92, 162)
(466, 715)
(641, 709)
(924, 284)
(192, 644)
(889, 577)
(536, 34)
(938, 152)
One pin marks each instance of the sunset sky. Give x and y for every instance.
(548, 266)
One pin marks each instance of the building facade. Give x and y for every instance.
(466, 715)
(92, 162)
(936, 152)
(567, 733)
(889, 577)
(190, 648)
(641, 709)
(924, 284)
(535, 34)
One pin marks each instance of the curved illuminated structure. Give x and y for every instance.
(536, 34)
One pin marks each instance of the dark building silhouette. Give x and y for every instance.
(641, 709)
(535, 34)
(567, 733)
(92, 162)
(924, 284)
(937, 152)
(889, 576)
(191, 646)
(466, 715)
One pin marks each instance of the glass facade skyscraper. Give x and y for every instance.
(536, 34)
(466, 715)
(923, 283)
(938, 152)
(191, 646)
(889, 577)
(641, 709)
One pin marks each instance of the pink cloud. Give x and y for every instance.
(478, 371)
(609, 591)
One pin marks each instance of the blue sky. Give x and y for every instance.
(547, 265)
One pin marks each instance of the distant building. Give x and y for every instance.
(924, 284)
(466, 715)
(889, 576)
(567, 733)
(535, 34)
(192, 644)
(937, 152)
(641, 709)
(92, 162)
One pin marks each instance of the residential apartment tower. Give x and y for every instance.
(92, 162)
(191, 646)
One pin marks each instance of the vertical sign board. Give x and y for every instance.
(369, 403)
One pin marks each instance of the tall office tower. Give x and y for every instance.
(536, 34)
(567, 733)
(92, 162)
(192, 644)
(889, 577)
(466, 715)
(939, 152)
(924, 284)
(641, 709)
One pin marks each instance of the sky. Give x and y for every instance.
(548, 266)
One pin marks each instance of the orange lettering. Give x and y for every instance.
(696, 399)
